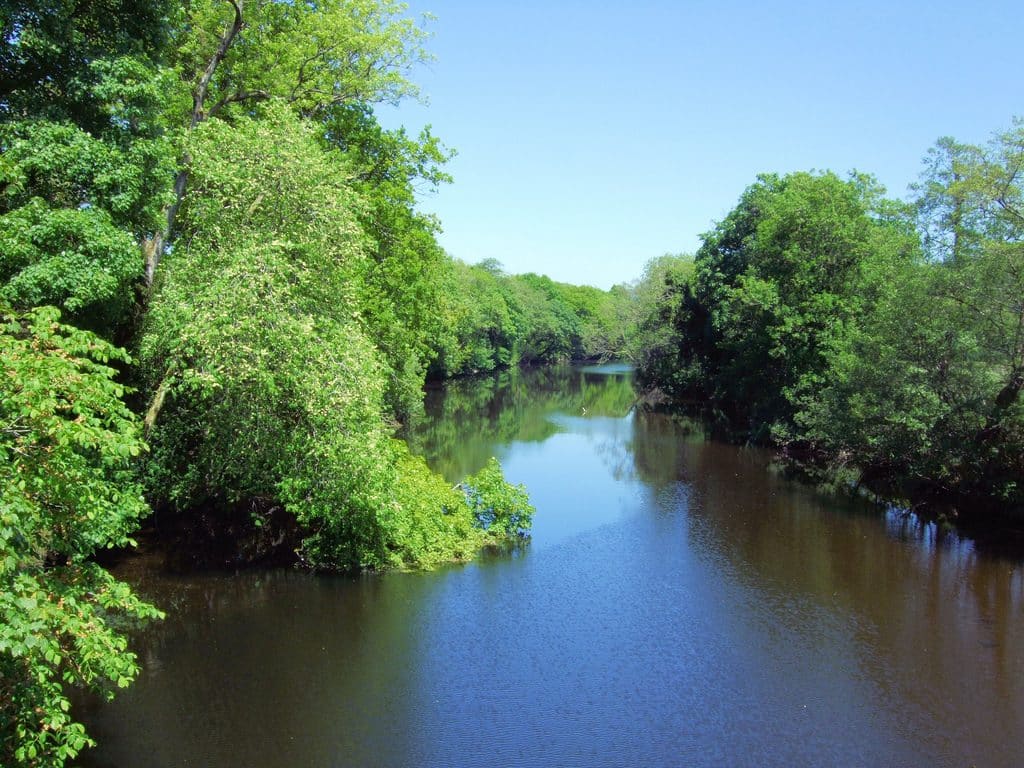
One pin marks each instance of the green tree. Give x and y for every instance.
(233, 57)
(666, 322)
(777, 279)
(549, 326)
(269, 389)
(498, 507)
(820, 318)
(500, 320)
(84, 164)
(402, 289)
(67, 489)
(84, 168)
(59, 56)
(978, 281)
(486, 335)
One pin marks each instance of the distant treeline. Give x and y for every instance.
(498, 321)
(877, 343)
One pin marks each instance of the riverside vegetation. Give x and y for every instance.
(204, 185)
(876, 343)
(217, 296)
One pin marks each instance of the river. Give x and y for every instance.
(680, 604)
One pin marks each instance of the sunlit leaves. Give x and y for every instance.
(67, 445)
(72, 258)
(313, 55)
(495, 321)
(498, 507)
(274, 386)
(814, 318)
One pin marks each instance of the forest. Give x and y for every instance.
(220, 303)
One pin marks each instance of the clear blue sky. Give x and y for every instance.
(593, 136)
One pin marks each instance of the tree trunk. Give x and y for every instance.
(153, 247)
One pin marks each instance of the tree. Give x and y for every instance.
(669, 324)
(486, 335)
(979, 282)
(269, 389)
(820, 319)
(67, 489)
(85, 167)
(777, 279)
(949, 224)
(58, 56)
(402, 288)
(233, 57)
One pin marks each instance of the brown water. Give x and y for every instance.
(680, 604)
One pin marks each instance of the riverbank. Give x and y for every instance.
(997, 527)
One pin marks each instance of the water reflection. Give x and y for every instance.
(928, 620)
(470, 419)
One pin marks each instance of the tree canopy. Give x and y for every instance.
(878, 340)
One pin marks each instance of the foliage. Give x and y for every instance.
(500, 321)
(402, 287)
(328, 62)
(84, 170)
(663, 311)
(77, 260)
(937, 401)
(501, 509)
(78, 62)
(312, 55)
(67, 489)
(484, 334)
(268, 384)
(85, 166)
(821, 318)
(775, 289)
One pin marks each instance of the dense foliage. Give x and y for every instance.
(498, 321)
(84, 172)
(206, 184)
(497, 507)
(271, 389)
(85, 167)
(67, 489)
(882, 342)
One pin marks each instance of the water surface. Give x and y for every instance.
(680, 604)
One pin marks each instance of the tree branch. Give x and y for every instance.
(153, 247)
(199, 97)
(235, 98)
(157, 402)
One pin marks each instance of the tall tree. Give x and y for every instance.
(404, 280)
(778, 282)
(85, 165)
(982, 291)
(84, 168)
(232, 56)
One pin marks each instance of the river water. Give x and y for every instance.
(680, 604)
